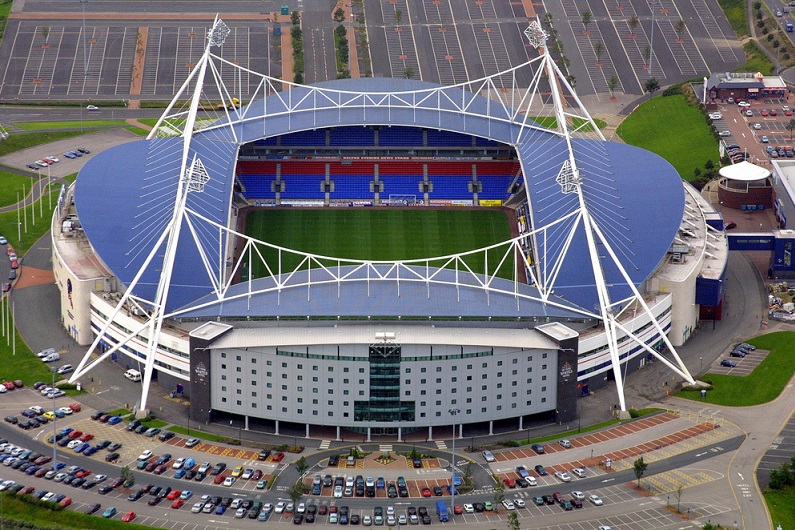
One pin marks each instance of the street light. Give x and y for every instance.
(54, 423)
(453, 413)
(652, 4)
(85, 53)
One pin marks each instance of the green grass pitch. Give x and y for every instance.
(380, 233)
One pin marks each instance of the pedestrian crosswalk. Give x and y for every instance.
(325, 444)
(440, 444)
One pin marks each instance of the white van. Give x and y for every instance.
(133, 375)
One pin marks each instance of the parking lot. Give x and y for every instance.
(744, 366)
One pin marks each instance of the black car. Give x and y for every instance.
(42, 419)
(94, 508)
(737, 353)
(88, 485)
(200, 476)
(28, 413)
(114, 446)
(134, 496)
(190, 475)
(107, 488)
(218, 469)
(548, 499)
(541, 471)
(327, 481)
(112, 457)
(154, 501)
(333, 460)
(76, 483)
(13, 420)
(34, 424)
(728, 363)
(83, 150)
(97, 415)
(392, 491)
(437, 491)
(33, 167)
(299, 518)
(141, 429)
(264, 454)
(163, 459)
(165, 436)
(538, 448)
(134, 424)
(103, 444)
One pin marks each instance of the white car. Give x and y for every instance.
(6, 484)
(145, 455)
(509, 505)
(579, 471)
(743, 104)
(301, 508)
(333, 518)
(725, 133)
(92, 107)
(757, 126)
(178, 463)
(563, 476)
(369, 482)
(280, 507)
(45, 353)
(66, 410)
(469, 508)
(531, 481)
(337, 492)
(519, 503)
(578, 495)
(716, 116)
(235, 504)
(205, 467)
(240, 513)
(603, 527)
(367, 520)
(390, 510)
(247, 474)
(51, 358)
(488, 456)
(402, 520)
(50, 496)
(54, 158)
(267, 507)
(595, 500)
(100, 478)
(73, 444)
(197, 507)
(228, 481)
(59, 477)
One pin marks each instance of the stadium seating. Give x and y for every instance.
(448, 139)
(400, 136)
(352, 136)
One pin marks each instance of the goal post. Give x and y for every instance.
(402, 200)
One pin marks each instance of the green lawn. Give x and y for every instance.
(43, 125)
(782, 507)
(764, 384)
(551, 122)
(10, 185)
(19, 362)
(380, 234)
(674, 130)
(33, 515)
(736, 12)
(18, 141)
(193, 433)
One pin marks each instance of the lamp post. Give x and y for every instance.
(54, 431)
(652, 4)
(453, 413)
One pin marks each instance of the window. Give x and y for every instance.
(223, 355)
(269, 363)
(223, 389)
(543, 389)
(284, 365)
(300, 400)
(514, 372)
(223, 378)
(423, 381)
(361, 381)
(438, 414)
(543, 378)
(499, 385)
(269, 385)
(543, 366)
(361, 370)
(484, 387)
(253, 405)
(499, 407)
(223, 400)
(515, 361)
(438, 368)
(484, 398)
(484, 376)
(239, 402)
(529, 358)
(514, 383)
(284, 376)
(331, 402)
(300, 378)
(269, 374)
(223, 367)
(330, 390)
(499, 396)
(455, 368)
(469, 367)
(253, 394)
(345, 369)
(253, 372)
(438, 380)
(269, 396)
(238, 391)
(529, 380)
(438, 403)
(499, 363)
(253, 383)
(314, 413)
(469, 400)
(314, 390)
(300, 411)
(361, 392)
(408, 381)
(314, 402)
(485, 365)
(346, 403)
(469, 378)
(330, 379)
(454, 390)
(422, 392)
(253, 360)
(438, 391)
(543, 400)
(330, 413)
(408, 370)
(345, 392)
(238, 380)
(300, 366)
(483, 409)
(314, 368)
(345, 381)
(300, 389)
(423, 370)
(284, 398)
(408, 392)
(314, 379)
(237, 357)
(284, 409)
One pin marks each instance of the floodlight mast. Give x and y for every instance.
(192, 177)
(570, 181)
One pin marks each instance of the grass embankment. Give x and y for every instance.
(201, 435)
(20, 514)
(781, 504)
(19, 141)
(736, 12)
(550, 122)
(48, 125)
(762, 385)
(673, 129)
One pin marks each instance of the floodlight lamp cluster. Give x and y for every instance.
(536, 34)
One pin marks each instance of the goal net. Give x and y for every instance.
(402, 200)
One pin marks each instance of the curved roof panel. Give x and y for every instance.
(125, 195)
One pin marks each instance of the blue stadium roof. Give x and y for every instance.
(124, 195)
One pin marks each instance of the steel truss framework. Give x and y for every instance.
(547, 90)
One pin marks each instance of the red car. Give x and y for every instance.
(27, 490)
(558, 497)
(159, 470)
(9, 385)
(10, 250)
(83, 473)
(426, 492)
(788, 112)
(74, 434)
(14, 263)
(457, 509)
(87, 437)
(173, 494)
(509, 482)
(66, 501)
(177, 504)
(74, 406)
(219, 479)
(257, 475)
(772, 112)
(764, 112)
(127, 517)
(6, 286)
(277, 456)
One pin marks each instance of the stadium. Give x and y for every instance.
(384, 256)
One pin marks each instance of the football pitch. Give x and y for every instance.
(382, 234)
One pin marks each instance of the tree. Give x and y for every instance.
(339, 15)
(466, 477)
(587, 18)
(499, 493)
(790, 126)
(633, 23)
(295, 492)
(301, 466)
(513, 520)
(612, 83)
(680, 28)
(398, 16)
(652, 86)
(127, 476)
(598, 49)
(639, 466)
(680, 488)
(295, 18)
(709, 165)
(408, 73)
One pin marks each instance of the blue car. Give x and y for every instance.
(65, 431)
(180, 473)
(456, 479)
(82, 447)
(380, 483)
(110, 512)
(190, 463)
(114, 420)
(69, 155)
(59, 414)
(220, 510)
(58, 466)
(451, 490)
(90, 451)
(728, 363)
